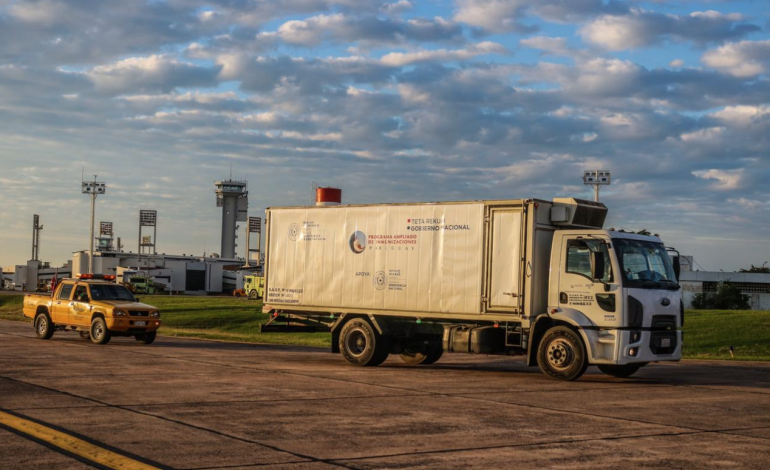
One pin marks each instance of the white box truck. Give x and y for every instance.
(531, 277)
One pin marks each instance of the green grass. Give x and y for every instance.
(708, 333)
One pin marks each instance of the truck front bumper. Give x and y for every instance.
(633, 346)
(126, 325)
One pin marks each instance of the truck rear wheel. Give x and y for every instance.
(99, 332)
(361, 345)
(561, 354)
(85, 335)
(43, 326)
(146, 338)
(621, 372)
(424, 354)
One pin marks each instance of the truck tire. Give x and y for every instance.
(621, 372)
(85, 335)
(428, 354)
(561, 354)
(361, 345)
(253, 295)
(43, 326)
(99, 332)
(146, 338)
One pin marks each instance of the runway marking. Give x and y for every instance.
(68, 444)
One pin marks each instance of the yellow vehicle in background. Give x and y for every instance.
(254, 287)
(95, 307)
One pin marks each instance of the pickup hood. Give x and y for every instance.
(126, 305)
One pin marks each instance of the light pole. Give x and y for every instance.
(596, 178)
(92, 188)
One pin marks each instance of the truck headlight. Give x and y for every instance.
(119, 313)
(156, 314)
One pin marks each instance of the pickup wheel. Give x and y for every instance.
(621, 372)
(146, 338)
(361, 345)
(561, 354)
(424, 354)
(99, 332)
(253, 295)
(43, 326)
(85, 335)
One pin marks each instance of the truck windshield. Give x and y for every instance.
(645, 264)
(111, 292)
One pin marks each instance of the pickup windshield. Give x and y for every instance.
(645, 264)
(111, 292)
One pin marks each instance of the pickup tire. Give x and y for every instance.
(562, 354)
(361, 345)
(43, 326)
(99, 332)
(146, 338)
(621, 372)
(425, 355)
(84, 335)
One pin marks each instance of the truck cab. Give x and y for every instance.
(96, 308)
(620, 292)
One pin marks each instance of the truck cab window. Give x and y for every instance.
(65, 292)
(579, 258)
(81, 294)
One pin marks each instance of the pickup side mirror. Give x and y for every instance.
(677, 267)
(597, 265)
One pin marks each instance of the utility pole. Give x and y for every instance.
(596, 178)
(93, 189)
(36, 228)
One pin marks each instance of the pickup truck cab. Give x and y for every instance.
(94, 307)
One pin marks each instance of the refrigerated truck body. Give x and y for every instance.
(530, 277)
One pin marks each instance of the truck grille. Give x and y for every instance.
(136, 313)
(663, 337)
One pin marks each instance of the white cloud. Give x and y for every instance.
(741, 59)
(703, 135)
(400, 59)
(742, 115)
(155, 72)
(676, 63)
(724, 179)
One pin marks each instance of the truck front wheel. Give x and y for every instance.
(361, 345)
(561, 354)
(621, 372)
(424, 354)
(99, 332)
(253, 295)
(43, 326)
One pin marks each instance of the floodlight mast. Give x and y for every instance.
(596, 178)
(92, 188)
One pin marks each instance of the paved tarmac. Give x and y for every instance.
(188, 404)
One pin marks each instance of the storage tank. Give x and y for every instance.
(328, 196)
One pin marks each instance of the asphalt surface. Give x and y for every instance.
(188, 404)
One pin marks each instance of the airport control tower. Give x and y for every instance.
(233, 198)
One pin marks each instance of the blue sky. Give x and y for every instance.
(392, 101)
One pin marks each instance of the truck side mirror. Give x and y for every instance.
(597, 265)
(677, 267)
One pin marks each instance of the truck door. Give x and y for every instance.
(578, 290)
(80, 307)
(60, 306)
(504, 278)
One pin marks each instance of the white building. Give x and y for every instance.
(755, 285)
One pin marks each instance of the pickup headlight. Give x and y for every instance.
(119, 313)
(155, 314)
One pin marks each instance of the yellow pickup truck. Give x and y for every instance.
(95, 307)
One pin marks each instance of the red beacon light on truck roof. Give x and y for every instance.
(106, 277)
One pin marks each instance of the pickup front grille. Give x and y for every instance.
(136, 313)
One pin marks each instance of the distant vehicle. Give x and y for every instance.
(141, 284)
(514, 277)
(94, 307)
(254, 287)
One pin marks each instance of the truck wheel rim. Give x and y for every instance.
(98, 331)
(560, 354)
(42, 325)
(356, 342)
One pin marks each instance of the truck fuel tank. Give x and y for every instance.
(474, 339)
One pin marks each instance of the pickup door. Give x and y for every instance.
(80, 309)
(60, 306)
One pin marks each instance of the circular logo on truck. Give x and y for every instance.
(380, 280)
(294, 232)
(357, 242)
